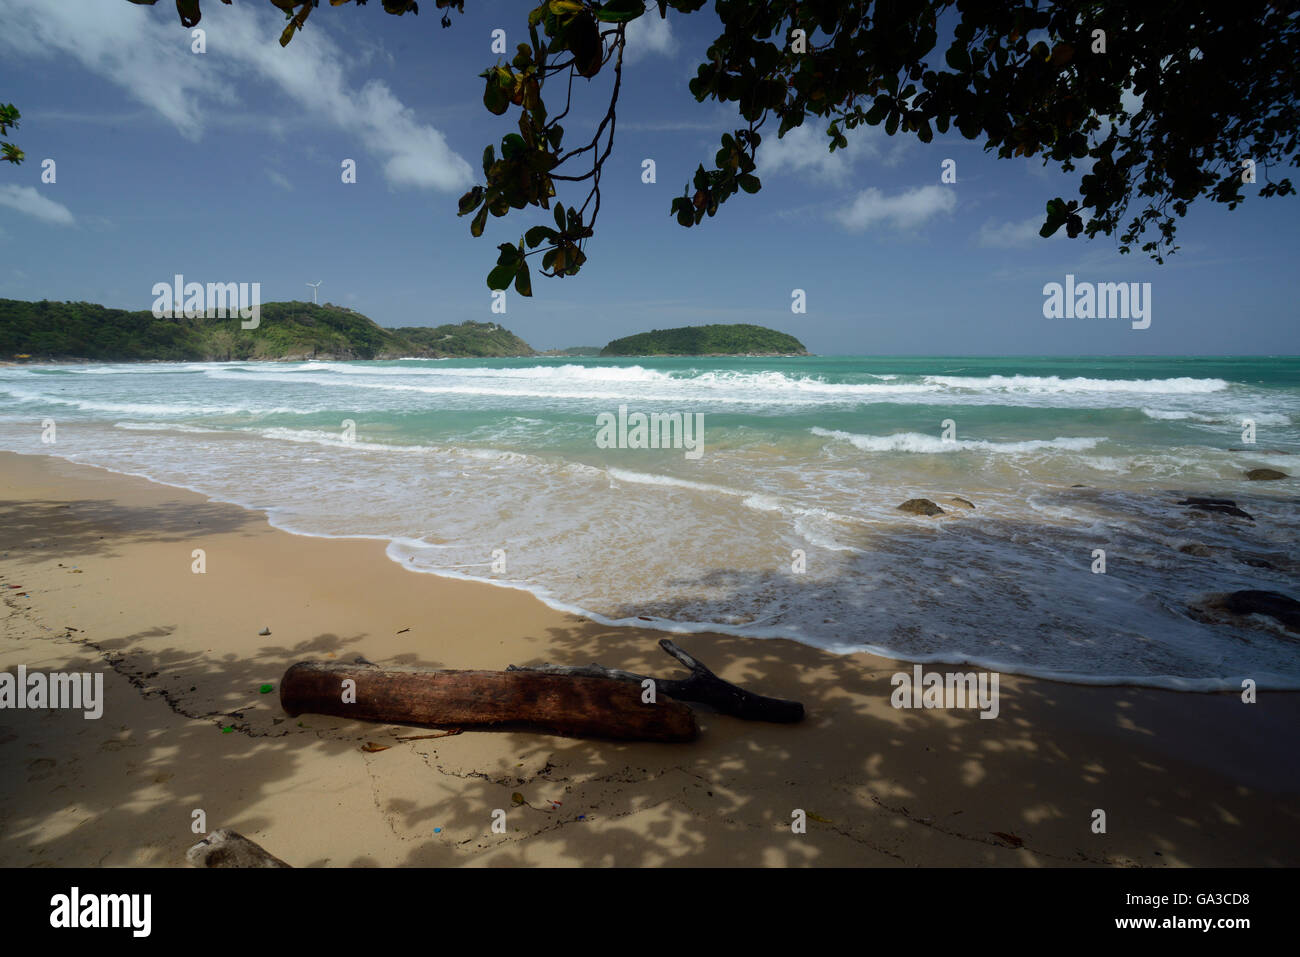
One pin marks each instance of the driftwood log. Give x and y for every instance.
(562, 704)
(702, 687)
(227, 848)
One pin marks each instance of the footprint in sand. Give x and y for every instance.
(40, 768)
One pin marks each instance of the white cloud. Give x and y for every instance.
(28, 200)
(1008, 235)
(805, 150)
(647, 35)
(279, 179)
(907, 210)
(136, 47)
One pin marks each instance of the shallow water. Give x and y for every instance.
(453, 460)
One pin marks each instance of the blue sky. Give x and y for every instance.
(225, 166)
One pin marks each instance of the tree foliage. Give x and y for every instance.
(84, 330)
(9, 117)
(1159, 104)
(733, 339)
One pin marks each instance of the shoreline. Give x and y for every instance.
(1178, 684)
(1170, 683)
(1186, 779)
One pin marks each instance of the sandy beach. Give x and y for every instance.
(103, 564)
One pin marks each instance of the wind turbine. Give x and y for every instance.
(314, 286)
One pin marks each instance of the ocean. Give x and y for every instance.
(780, 518)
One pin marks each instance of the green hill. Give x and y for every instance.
(574, 351)
(465, 339)
(287, 330)
(738, 339)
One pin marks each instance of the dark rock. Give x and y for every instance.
(1265, 475)
(1197, 549)
(1252, 561)
(920, 506)
(964, 503)
(1271, 603)
(1225, 505)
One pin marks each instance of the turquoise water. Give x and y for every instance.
(783, 522)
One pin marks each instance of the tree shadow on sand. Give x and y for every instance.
(879, 785)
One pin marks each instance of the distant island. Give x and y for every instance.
(739, 339)
(294, 331)
(574, 351)
(45, 330)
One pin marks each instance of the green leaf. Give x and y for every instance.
(510, 255)
(620, 11)
(559, 216)
(495, 98)
(476, 225)
(749, 182)
(189, 12)
(523, 282)
(513, 145)
(500, 276)
(538, 234)
(470, 201)
(584, 40)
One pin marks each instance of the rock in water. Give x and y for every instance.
(1271, 603)
(226, 848)
(958, 500)
(1225, 505)
(920, 506)
(1265, 475)
(264, 632)
(1196, 548)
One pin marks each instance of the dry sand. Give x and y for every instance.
(104, 562)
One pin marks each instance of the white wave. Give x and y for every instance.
(919, 442)
(336, 440)
(1025, 383)
(645, 478)
(142, 408)
(170, 427)
(567, 373)
(1173, 415)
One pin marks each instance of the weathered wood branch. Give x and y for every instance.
(226, 848)
(594, 706)
(702, 687)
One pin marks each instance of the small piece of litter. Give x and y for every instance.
(228, 729)
(266, 689)
(372, 747)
